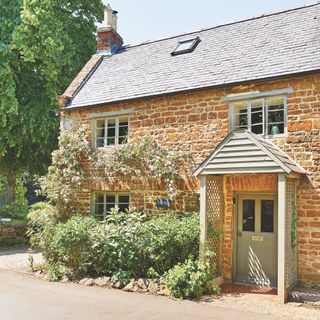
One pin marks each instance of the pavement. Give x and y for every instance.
(18, 259)
(27, 298)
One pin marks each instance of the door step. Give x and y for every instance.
(305, 295)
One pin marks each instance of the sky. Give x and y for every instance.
(142, 20)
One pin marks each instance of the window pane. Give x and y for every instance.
(240, 115)
(100, 124)
(257, 129)
(123, 207)
(123, 131)
(111, 141)
(275, 128)
(111, 123)
(111, 132)
(275, 116)
(111, 199)
(100, 143)
(109, 207)
(123, 199)
(123, 140)
(185, 45)
(100, 133)
(98, 210)
(99, 198)
(257, 116)
(248, 217)
(267, 215)
(275, 103)
(123, 122)
(110, 202)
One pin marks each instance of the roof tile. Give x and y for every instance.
(273, 45)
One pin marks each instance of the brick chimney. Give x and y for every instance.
(107, 35)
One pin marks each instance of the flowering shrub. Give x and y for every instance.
(66, 175)
(142, 158)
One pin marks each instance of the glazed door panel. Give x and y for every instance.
(257, 239)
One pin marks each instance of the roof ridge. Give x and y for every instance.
(260, 16)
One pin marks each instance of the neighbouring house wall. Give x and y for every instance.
(196, 122)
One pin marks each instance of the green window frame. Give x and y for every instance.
(111, 131)
(102, 202)
(265, 116)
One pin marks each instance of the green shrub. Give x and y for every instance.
(41, 215)
(17, 209)
(116, 243)
(120, 275)
(127, 242)
(167, 240)
(188, 280)
(124, 245)
(69, 246)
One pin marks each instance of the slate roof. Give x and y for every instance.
(273, 45)
(245, 152)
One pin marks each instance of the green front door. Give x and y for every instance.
(257, 239)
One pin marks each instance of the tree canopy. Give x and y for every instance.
(43, 45)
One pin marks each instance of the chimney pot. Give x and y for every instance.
(107, 35)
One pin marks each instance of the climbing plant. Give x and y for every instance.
(75, 163)
(143, 158)
(66, 175)
(293, 222)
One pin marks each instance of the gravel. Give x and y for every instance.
(266, 306)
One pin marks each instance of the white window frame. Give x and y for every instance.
(117, 119)
(249, 102)
(105, 194)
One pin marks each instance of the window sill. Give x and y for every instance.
(109, 147)
(276, 136)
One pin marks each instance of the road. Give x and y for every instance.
(28, 298)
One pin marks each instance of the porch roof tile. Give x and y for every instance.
(245, 152)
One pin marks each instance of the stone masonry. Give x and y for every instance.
(196, 122)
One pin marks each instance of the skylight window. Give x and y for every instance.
(186, 46)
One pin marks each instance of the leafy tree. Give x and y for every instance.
(43, 45)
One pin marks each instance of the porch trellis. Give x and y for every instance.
(291, 249)
(214, 220)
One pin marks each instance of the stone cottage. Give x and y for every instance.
(243, 99)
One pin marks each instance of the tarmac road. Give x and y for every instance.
(26, 298)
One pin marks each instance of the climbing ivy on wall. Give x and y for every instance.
(293, 222)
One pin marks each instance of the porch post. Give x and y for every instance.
(281, 237)
(203, 213)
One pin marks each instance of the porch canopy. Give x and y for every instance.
(243, 152)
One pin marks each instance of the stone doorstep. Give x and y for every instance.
(302, 294)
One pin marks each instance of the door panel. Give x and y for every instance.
(257, 239)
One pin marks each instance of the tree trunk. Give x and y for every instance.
(10, 193)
